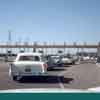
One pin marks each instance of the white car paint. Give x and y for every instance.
(20, 68)
(86, 58)
(66, 60)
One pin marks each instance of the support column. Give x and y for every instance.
(34, 45)
(64, 47)
(45, 49)
(82, 53)
(98, 50)
(75, 45)
(77, 51)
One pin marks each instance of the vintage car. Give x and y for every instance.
(27, 64)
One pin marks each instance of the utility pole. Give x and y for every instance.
(27, 43)
(9, 37)
(35, 44)
(64, 48)
(19, 43)
(8, 52)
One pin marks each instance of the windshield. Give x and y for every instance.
(54, 57)
(29, 58)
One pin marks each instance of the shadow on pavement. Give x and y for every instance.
(46, 79)
(67, 65)
(57, 69)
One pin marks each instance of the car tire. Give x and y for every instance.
(17, 78)
(14, 78)
(73, 63)
(49, 69)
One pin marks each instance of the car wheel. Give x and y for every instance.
(49, 69)
(73, 62)
(14, 78)
(17, 78)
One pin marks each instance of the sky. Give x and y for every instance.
(50, 20)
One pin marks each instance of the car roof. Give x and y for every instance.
(34, 54)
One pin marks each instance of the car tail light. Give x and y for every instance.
(45, 65)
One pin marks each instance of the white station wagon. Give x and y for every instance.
(28, 64)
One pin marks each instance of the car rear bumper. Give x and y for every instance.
(56, 65)
(30, 74)
(67, 63)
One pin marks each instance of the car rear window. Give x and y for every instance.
(29, 58)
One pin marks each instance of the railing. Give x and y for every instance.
(48, 46)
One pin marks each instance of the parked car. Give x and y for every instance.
(54, 61)
(76, 59)
(86, 58)
(70, 59)
(27, 64)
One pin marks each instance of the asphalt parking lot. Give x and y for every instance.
(81, 76)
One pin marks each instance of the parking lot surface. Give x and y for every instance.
(81, 76)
